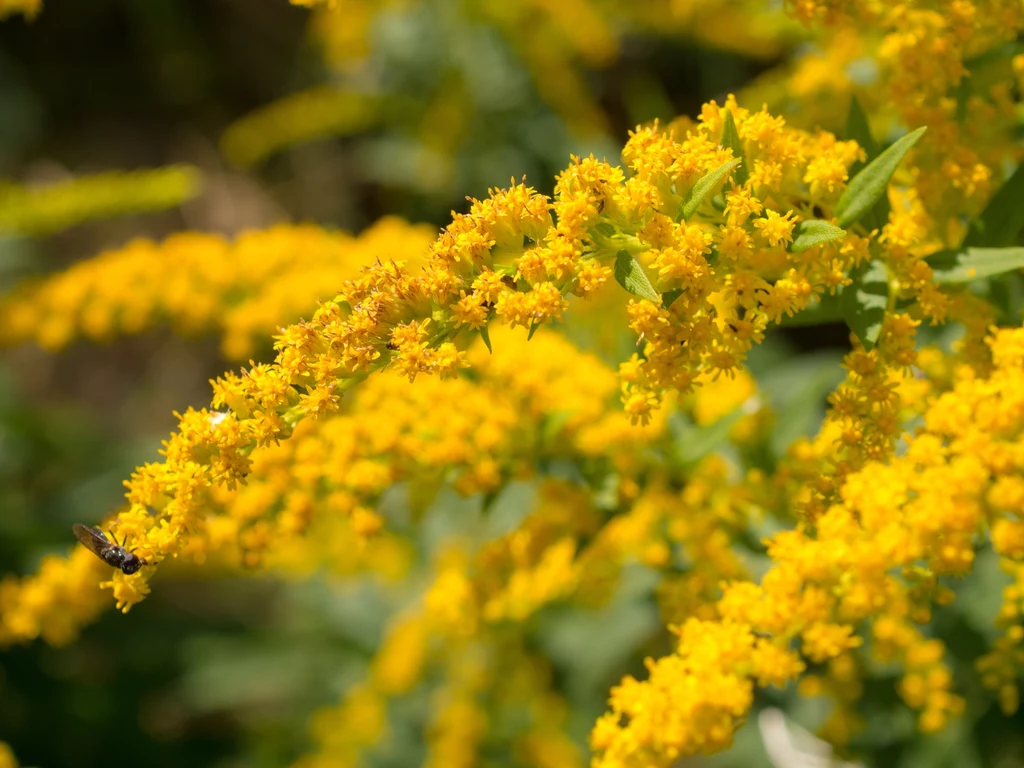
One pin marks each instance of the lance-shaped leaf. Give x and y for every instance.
(691, 442)
(486, 336)
(858, 129)
(869, 186)
(669, 297)
(812, 232)
(631, 275)
(1003, 218)
(969, 264)
(731, 139)
(865, 300)
(703, 187)
(796, 388)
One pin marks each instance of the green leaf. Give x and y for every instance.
(668, 297)
(796, 389)
(1003, 218)
(967, 264)
(827, 309)
(731, 139)
(865, 300)
(952, 747)
(812, 232)
(996, 55)
(1007, 295)
(982, 590)
(868, 186)
(631, 276)
(533, 330)
(692, 443)
(554, 424)
(704, 185)
(486, 336)
(858, 129)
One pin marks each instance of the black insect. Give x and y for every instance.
(109, 552)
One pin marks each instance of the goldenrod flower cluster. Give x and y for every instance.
(474, 435)
(39, 210)
(868, 567)
(716, 313)
(243, 290)
(947, 65)
(514, 257)
(55, 602)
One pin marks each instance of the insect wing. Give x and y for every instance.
(93, 539)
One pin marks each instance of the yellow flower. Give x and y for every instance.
(28, 8)
(245, 290)
(822, 641)
(7, 759)
(917, 507)
(1008, 538)
(775, 229)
